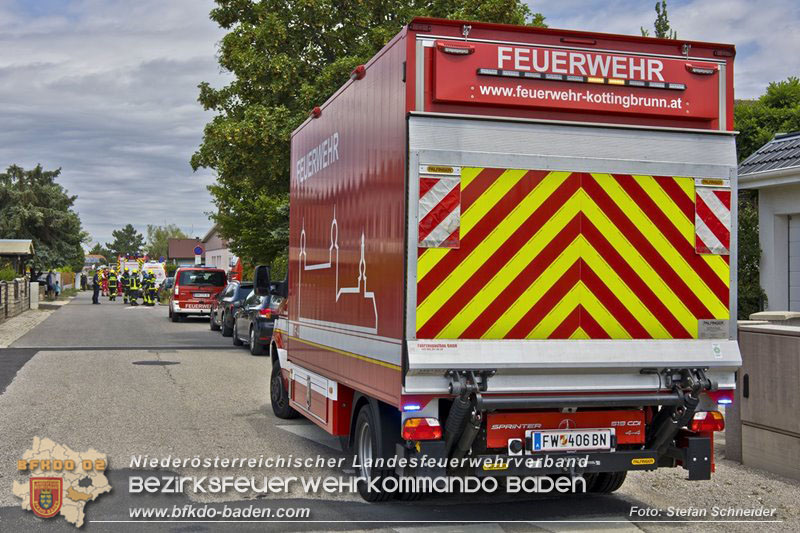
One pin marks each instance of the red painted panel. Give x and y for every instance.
(629, 425)
(462, 79)
(594, 44)
(347, 225)
(371, 378)
(348, 188)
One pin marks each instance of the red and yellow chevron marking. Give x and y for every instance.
(571, 255)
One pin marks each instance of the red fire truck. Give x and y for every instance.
(515, 243)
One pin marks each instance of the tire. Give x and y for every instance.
(607, 482)
(236, 340)
(175, 317)
(255, 347)
(279, 397)
(365, 445)
(213, 323)
(227, 331)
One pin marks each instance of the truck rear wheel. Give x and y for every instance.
(279, 397)
(366, 449)
(607, 482)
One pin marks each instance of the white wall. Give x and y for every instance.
(219, 258)
(775, 205)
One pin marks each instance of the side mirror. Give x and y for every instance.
(283, 289)
(261, 282)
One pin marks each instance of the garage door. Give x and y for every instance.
(794, 263)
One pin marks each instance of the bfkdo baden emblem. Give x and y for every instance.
(46, 496)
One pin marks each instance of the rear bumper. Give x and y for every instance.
(564, 463)
(186, 309)
(264, 329)
(521, 366)
(696, 458)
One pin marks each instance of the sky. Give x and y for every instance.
(107, 90)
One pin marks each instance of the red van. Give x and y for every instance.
(194, 290)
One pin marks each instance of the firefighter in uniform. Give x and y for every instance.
(112, 285)
(153, 288)
(133, 287)
(146, 288)
(125, 280)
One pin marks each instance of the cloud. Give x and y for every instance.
(765, 33)
(108, 92)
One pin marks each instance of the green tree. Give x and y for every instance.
(751, 296)
(126, 241)
(286, 58)
(99, 249)
(661, 24)
(33, 206)
(776, 111)
(158, 239)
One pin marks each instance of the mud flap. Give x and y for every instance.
(698, 458)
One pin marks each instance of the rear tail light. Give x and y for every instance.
(704, 421)
(422, 429)
(176, 290)
(267, 313)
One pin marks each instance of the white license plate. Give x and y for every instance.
(570, 440)
(201, 295)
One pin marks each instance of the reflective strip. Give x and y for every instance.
(439, 212)
(572, 255)
(712, 221)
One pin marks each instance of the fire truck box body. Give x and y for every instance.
(540, 222)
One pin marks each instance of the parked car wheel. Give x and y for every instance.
(175, 317)
(256, 348)
(279, 397)
(236, 340)
(213, 323)
(227, 331)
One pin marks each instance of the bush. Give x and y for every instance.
(67, 293)
(170, 269)
(7, 274)
(752, 297)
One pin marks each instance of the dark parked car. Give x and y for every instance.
(224, 307)
(166, 287)
(255, 319)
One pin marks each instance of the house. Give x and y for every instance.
(181, 251)
(217, 252)
(94, 259)
(774, 171)
(17, 252)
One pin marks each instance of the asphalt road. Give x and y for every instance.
(117, 325)
(127, 382)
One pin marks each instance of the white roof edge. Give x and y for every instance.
(214, 228)
(770, 178)
(16, 247)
